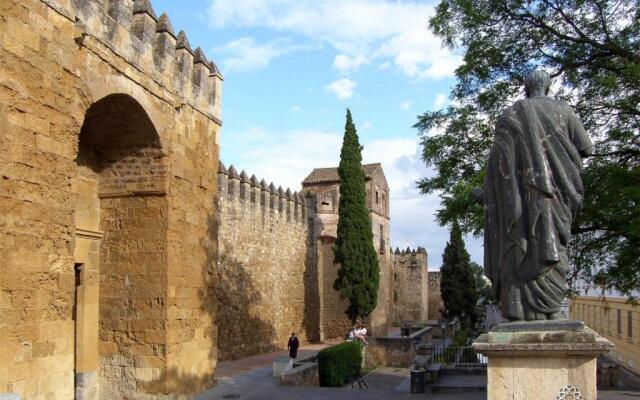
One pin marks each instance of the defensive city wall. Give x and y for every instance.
(130, 262)
(108, 159)
(266, 281)
(276, 272)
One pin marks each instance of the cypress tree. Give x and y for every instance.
(359, 275)
(457, 284)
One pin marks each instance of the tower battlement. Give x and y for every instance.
(409, 254)
(132, 30)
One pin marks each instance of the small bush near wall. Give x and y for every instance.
(339, 364)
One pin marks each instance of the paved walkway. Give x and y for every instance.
(251, 379)
(230, 369)
(258, 384)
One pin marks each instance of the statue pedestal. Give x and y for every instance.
(541, 360)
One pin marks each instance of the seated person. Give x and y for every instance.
(351, 335)
(361, 334)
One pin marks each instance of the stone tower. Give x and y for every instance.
(411, 295)
(324, 185)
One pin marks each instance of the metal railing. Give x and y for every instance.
(458, 356)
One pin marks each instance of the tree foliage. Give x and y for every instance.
(458, 282)
(483, 288)
(591, 48)
(359, 275)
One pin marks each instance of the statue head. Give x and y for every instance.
(537, 83)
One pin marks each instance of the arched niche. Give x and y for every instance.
(121, 247)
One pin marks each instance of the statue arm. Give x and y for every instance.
(579, 136)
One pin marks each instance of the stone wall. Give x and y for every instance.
(263, 271)
(435, 299)
(108, 155)
(395, 351)
(302, 374)
(411, 286)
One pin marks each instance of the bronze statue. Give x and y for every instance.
(532, 193)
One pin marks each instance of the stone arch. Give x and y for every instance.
(121, 244)
(102, 87)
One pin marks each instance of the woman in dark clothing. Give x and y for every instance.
(293, 346)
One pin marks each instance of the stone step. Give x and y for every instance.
(458, 384)
(464, 370)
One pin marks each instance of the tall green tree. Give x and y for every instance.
(483, 288)
(359, 274)
(458, 282)
(591, 48)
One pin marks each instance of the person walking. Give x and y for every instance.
(293, 346)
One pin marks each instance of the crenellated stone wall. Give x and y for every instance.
(411, 296)
(265, 284)
(108, 159)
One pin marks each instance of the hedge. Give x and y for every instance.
(340, 364)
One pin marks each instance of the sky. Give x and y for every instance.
(291, 69)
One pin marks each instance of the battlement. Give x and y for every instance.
(240, 188)
(131, 29)
(410, 252)
(410, 257)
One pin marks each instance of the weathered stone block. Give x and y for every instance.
(519, 365)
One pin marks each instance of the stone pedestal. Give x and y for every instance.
(541, 360)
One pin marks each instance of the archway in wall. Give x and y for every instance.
(121, 243)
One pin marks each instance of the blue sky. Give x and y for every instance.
(292, 67)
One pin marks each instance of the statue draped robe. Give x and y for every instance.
(532, 192)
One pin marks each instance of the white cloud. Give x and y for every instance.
(359, 30)
(405, 105)
(366, 126)
(295, 108)
(345, 64)
(440, 101)
(342, 88)
(269, 156)
(245, 54)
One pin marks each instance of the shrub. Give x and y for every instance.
(339, 364)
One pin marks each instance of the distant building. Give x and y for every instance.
(608, 312)
(615, 319)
